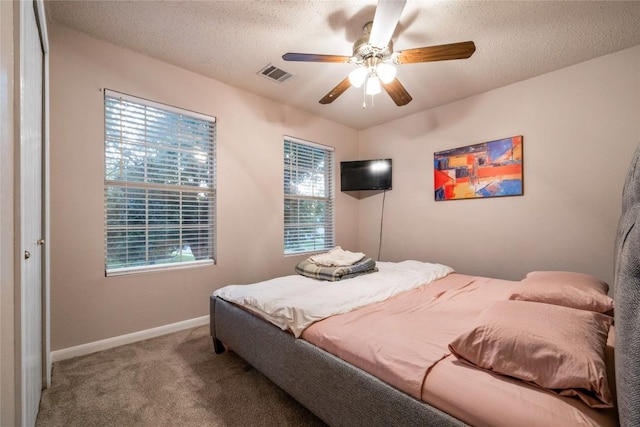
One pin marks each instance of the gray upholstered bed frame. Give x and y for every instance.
(335, 391)
(627, 299)
(343, 395)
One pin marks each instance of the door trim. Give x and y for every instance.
(46, 256)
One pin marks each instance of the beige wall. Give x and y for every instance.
(86, 306)
(7, 324)
(580, 127)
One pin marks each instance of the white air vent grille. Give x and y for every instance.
(274, 73)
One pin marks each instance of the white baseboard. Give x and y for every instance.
(92, 347)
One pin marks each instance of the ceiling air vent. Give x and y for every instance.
(274, 73)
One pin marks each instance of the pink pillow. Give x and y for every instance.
(575, 290)
(557, 348)
(570, 278)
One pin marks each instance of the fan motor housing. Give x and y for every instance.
(363, 50)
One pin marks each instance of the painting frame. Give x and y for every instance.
(478, 171)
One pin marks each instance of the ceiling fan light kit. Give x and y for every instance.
(374, 55)
(373, 69)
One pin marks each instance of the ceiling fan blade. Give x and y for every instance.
(437, 53)
(311, 57)
(336, 91)
(397, 92)
(385, 22)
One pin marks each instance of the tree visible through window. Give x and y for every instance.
(159, 185)
(308, 197)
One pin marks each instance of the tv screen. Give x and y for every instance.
(365, 175)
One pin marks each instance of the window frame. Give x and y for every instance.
(179, 191)
(329, 198)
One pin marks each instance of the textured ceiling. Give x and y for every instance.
(231, 41)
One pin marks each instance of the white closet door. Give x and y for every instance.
(31, 227)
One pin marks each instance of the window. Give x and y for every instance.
(308, 197)
(159, 186)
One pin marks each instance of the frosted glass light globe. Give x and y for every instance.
(373, 85)
(357, 76)
(386, 72)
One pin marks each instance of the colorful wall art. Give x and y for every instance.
(489, 169)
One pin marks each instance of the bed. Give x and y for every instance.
(432, 372)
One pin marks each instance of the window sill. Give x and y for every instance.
(157, 268)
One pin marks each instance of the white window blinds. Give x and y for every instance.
(159, 185)
(308, 197)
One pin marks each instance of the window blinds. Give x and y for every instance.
(308, 197)
(159, 185)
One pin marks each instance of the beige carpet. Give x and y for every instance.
(173, 380)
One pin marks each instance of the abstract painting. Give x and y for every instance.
(489, 169)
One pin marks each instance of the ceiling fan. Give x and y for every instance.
(376, 60)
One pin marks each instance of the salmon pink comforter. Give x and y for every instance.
(403, 339)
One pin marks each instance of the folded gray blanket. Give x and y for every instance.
(333, 274)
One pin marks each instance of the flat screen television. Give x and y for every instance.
(360, 175)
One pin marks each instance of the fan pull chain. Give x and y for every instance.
(364, 97)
